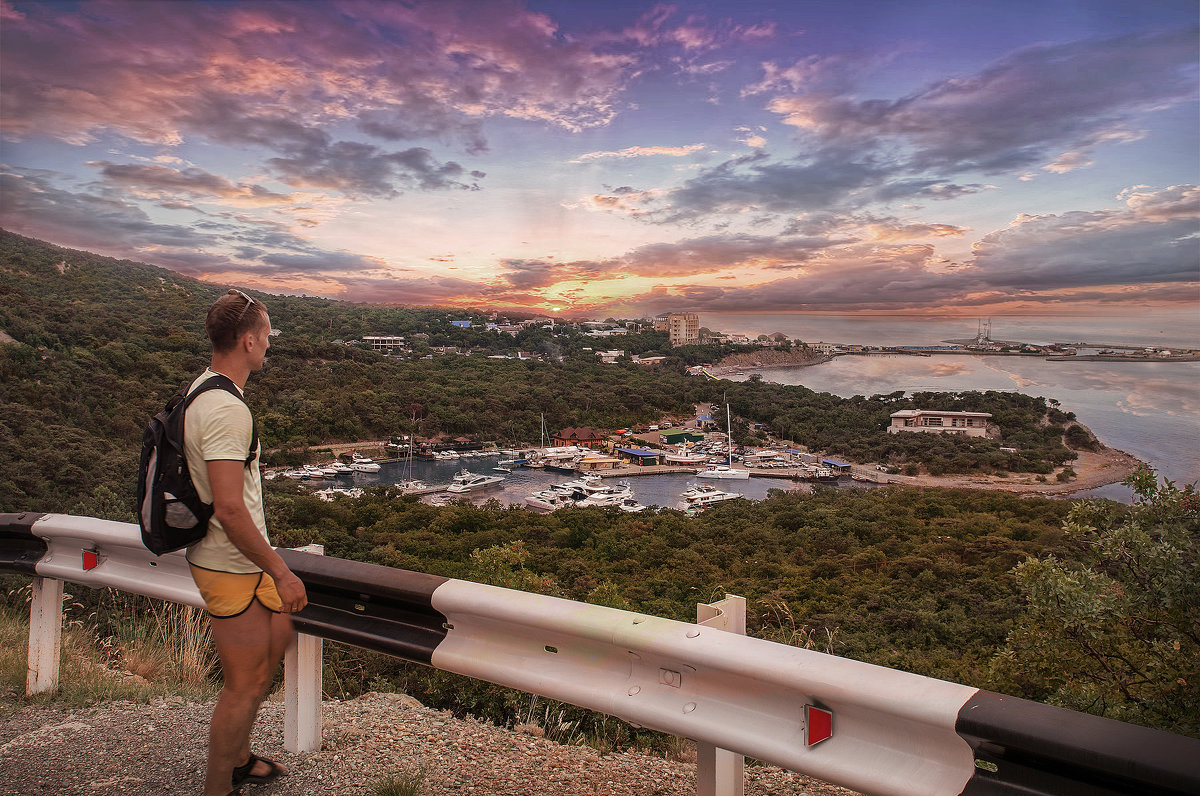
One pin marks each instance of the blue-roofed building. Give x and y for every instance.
(841, 467)
(462, 324)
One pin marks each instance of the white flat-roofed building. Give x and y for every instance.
(973, 424)
(384, 343)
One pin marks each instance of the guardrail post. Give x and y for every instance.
(720, 772)
(45, 635)
(302, 687)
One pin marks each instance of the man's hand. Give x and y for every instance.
(291, 593)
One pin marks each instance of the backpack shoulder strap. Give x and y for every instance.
(220, 382)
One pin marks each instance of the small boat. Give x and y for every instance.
(466, 481)
(502, 468)
(295, 475)
(631, 505)
(338, 468)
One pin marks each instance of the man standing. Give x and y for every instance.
(248, 590)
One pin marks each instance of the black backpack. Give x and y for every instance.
(170, 512)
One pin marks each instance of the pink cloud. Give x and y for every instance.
(75, 74)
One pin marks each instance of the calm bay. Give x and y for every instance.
(1148, 409)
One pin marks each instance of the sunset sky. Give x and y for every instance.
(620, 158)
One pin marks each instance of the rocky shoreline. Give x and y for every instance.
(126, 748)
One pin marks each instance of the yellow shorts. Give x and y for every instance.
(229, 594)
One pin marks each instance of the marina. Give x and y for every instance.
(541, 489)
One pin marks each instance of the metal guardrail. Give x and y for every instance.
(866, 727)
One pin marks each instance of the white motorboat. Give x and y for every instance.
(549, 499)
(364, 465)
(701, 495)
(412, 485)
(607, 496)
(338, 468)
(586, 483)
(295, 475)
(502, 468)
(329, 494)
(466, 481)
(314, 471)
(631, 505)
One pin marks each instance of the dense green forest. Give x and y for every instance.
(920, 580)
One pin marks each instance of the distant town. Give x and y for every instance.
(684, 329)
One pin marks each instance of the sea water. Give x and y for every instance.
(1148, 409)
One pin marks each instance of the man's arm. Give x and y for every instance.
(229, 507)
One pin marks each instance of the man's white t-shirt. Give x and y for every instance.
(217, 427)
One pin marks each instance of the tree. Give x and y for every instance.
(1117, 633)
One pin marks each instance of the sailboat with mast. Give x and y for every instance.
(726, 470)
(408, 483)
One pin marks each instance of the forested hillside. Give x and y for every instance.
(98, 345)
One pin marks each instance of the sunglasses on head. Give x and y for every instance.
(249, 303)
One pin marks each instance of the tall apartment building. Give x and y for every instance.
(684, 328)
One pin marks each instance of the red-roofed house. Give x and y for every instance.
(583, 436)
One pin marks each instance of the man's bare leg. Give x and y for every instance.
(250, 647)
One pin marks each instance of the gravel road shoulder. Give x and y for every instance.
(126, 748)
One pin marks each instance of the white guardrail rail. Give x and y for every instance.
(865, 727)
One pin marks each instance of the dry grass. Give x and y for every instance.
(142, 649)
(779, 625)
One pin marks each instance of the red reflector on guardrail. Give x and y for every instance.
(91, 559)
(818, 725)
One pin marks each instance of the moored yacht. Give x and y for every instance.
(701, 495)
(550, 499)
(605, 495)
(363, 464)
(466, 481)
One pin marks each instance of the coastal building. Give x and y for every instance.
(609, 357)
(678, 436)
(684, 328)
(640, 456)
(972, 424)
(592, 464)
(582, 437)
(648, 360)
